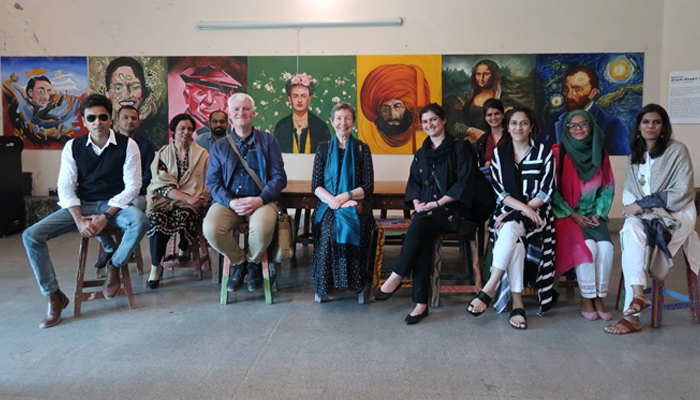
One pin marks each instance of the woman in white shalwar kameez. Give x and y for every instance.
(659, 209)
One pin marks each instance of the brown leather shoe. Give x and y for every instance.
(57, 303)
(112, 283)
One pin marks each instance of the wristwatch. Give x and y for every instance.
(108, 216)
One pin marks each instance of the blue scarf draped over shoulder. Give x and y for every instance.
(340, 178)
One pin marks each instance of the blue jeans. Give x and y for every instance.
(131, 220)
(106, 241)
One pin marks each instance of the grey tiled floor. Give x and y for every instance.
(179, 343)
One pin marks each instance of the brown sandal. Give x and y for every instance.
(638, 301)
(631, 326)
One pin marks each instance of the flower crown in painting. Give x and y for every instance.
(300, 80)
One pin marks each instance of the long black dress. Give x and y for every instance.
(338, 265)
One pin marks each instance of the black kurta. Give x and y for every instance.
(454, 174)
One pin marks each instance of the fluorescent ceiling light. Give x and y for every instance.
(395, 22)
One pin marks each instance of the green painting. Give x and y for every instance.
(294, 97)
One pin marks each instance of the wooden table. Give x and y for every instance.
(388, 195)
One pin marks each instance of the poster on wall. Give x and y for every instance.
(140, 82)
(392, 90)
(294, 101)
(41, 99)
(198, 86)
(684, 97)
(608, 85)
(469, 80)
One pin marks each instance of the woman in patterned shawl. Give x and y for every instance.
(177, 197)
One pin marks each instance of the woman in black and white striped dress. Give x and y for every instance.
(522, 226)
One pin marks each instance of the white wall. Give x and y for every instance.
(167, 27)
(681, 52)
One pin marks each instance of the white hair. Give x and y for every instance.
(240, 97)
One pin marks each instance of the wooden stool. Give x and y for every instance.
(81, 283)
(438, 276)
(384, 227)
(199, 255)
(658, 290)
(135, 258)
(269, 274)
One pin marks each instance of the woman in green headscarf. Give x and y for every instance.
(585, 191)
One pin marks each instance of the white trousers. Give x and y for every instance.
(593, 278)
(634, 250)
(509, 254)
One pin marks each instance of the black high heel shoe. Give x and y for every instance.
(381, 296)
(414, 319)
(154, 284)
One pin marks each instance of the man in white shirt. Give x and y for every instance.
(100, 176)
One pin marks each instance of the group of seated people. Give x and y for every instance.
(547, 208)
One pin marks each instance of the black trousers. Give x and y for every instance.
(159, 245)
(417, 254)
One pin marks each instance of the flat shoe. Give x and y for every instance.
(591, 316)
(637, 301)
(520, 312)
(414, 319)
(631, 326)
(381, 296)
(485, 298)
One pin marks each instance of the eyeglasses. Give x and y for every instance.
(102, 117)
(582, 125)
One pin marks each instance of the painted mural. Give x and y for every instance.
(137, 81)
(41, 99)
(469, 80)
(392, 90)
(294, 95)
(200, 85)
(608, 85)
(294, 101)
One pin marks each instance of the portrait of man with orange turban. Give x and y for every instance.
(391, 96)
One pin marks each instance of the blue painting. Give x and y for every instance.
(41, 99)
(608, 85)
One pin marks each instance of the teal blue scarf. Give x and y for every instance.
(340, 178)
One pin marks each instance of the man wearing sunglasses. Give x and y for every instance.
(99, 177)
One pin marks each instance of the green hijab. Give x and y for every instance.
(587, 154)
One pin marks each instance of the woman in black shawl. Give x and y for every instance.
(441, 189)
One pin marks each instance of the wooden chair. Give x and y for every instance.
(398, 228)
(268, 270)
(658, 291)
(80, 283)
(198, 252)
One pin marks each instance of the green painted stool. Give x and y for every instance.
(268, 270)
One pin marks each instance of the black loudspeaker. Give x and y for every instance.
(11, 185)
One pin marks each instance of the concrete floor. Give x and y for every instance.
(179, 343)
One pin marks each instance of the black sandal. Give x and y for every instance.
(485, 298)
(520, 312)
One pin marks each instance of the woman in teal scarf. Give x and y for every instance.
(343, 181)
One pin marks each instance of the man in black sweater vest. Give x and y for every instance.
(100, 176)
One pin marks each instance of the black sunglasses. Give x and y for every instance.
(92, 118)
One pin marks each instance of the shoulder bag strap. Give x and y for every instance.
(245, 164)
